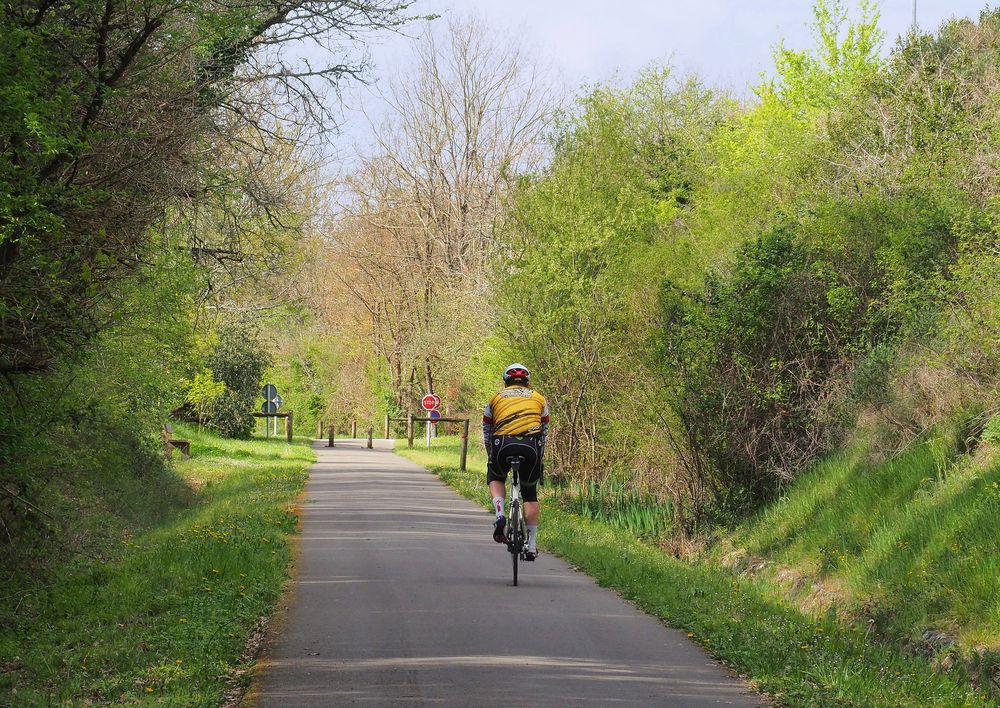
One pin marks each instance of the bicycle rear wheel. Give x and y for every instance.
(516, 537)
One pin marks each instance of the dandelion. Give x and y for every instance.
(149, 689)
(184, 620)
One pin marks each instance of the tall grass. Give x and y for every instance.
(163, 614)
(616, 502)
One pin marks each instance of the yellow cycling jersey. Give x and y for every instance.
(517, 410)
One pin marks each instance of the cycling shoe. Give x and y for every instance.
(499, 530)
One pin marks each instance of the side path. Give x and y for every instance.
(404, 599)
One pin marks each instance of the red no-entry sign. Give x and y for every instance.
(431, 402)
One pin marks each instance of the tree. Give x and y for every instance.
(203, 393)
(417, 228)
(590, 235)
(111, 112)
(239, 360)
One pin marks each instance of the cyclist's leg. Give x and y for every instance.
(532, 512)
(496, 480)
(498, 491)
(529, 490)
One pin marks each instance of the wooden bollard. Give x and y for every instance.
(370, 437)
(289, 425)
(354, 428)
(319, 429)
(409, 430)
(386, 426)
(330, 444)
(465, 445)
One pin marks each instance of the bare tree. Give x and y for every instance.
(417, 228)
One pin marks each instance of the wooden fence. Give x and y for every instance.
(288, 421)
(409, 420)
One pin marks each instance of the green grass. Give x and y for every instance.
(909, 544)
(166, 616)
(800, 658)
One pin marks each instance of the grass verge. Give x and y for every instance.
(799, 658)
(908, 544)
(164, 614)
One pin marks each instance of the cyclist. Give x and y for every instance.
(515, 424)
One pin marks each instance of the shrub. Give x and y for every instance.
(754, 358)
(204, 392)
(239, 361)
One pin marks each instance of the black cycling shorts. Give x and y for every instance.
(504, 447)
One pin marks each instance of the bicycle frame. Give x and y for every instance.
(516, 535)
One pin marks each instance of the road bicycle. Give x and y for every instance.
(517, 535)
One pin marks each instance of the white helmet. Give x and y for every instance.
(516, 372)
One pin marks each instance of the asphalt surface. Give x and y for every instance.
(402, 598)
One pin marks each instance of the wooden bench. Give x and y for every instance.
(170, 442)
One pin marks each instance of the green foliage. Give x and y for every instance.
(779, 156)
(970, 331)
(239, 361)
(846, 56)
(749, 358)
(306, 368)
(991, 431)
(204, 392)
(83, 84)
(618, 503)
(590, 233)
(103, 409)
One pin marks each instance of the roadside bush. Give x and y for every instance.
(239, 361)
(754, 359)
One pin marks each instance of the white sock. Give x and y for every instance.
(532, 533)
(498, 505)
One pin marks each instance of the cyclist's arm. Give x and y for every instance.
(487, 427)
(545, 422)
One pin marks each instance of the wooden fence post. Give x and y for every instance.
(370, 436)
(288, 426)
(386, 426)
(330, 444)
(409, 429)
(465, 444)
(354, 428)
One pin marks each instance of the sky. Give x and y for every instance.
(726, 42)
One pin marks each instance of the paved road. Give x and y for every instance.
(403, 598)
